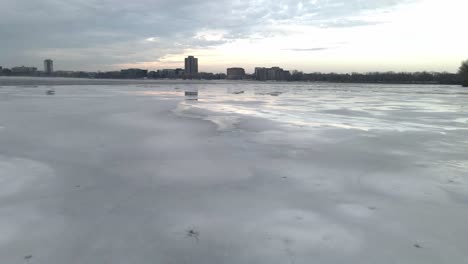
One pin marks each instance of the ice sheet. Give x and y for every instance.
(321, 173)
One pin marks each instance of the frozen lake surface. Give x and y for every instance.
(131, 172)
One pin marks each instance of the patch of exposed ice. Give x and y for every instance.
(463, 120)
(19, 175)
(224, 123)
(8, 227)
(306, 231)
(355, 210)
(414, 187)
(27, 224)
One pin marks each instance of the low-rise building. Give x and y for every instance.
(167, 73)
(260, 74)
(235, 73)
(133, 73)
(271, 74)
(23, 70)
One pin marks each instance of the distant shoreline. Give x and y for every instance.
(54, 81)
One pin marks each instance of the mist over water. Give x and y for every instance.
(248, 173)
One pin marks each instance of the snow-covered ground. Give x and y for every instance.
(282, 173)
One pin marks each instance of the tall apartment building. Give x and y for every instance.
(48, 66)
(191, 65)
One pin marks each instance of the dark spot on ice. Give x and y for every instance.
(287, 241)
(28, 257)
(417, 246)
(372, 208)
(78, 186)
(284, 177)
(193, 234)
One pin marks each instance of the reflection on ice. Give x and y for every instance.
(158, 93)
(359, 109)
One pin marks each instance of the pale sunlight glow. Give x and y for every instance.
(421, 36)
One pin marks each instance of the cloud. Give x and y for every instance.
(94, 34)
(308, 49)
(346, 23)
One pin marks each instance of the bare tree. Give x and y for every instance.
(463, 71)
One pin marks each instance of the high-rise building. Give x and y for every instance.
(48, 66)
(191, 65)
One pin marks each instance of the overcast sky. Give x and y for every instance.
(315, 35)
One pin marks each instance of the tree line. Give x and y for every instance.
(463, 72)
(380, 77)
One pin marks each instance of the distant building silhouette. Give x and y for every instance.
(260, 74)
(133, 73)
(167, 74)
(235, 73)
(191, 66)
(48, 66)
(273, 74)
(23, 70)
(179, 72)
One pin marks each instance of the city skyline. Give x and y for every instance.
(311, 36)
